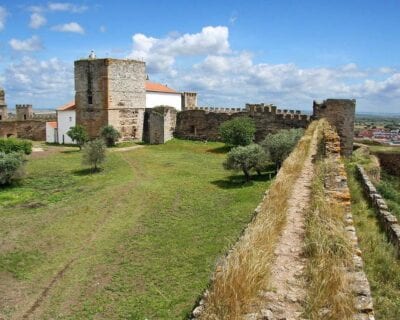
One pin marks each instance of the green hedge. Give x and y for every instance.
(8, 145)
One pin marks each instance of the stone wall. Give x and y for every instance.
(110, 91)
(204, 123)
(160, 124)
(387, 220)
(337, 190)
(390, 162)
(340, 113)
(25, 129)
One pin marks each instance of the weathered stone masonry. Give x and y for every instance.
(111, 91)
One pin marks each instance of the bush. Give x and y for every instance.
(79, 135)
(238, 131)
(110, 135)
(9, 145)
(246, 158)
(94, 153)
(11, 167)
(279, 145)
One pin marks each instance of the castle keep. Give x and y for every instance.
(111, 91)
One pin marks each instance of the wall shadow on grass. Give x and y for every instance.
(220, 150)
(70, 151)
(238, 181)
(86, 171)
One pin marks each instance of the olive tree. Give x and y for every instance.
(79, 135)
(11, 167)
(238, 131)
(110, 135)
(279, 145)
(94, 153)
(246, 158)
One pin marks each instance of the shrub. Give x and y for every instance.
(79, 135)
(11, 167)
(279, 145)
(246, 158)
(238, 131)
(94, 153)
(110, 135)
(9, 145)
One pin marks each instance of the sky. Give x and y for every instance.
(285, 52)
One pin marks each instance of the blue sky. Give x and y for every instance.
(230, 52)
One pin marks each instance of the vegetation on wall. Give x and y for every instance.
(245, 271)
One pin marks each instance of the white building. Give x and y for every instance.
(161, 95)
(156, 95)
(51, 132)
(66, 118)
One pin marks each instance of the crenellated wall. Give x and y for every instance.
(202, 123)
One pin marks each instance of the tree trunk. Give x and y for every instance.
(246, 174)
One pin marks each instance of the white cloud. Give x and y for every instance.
(227, 78)
(30, 44)
(42, 82)
(66, 6)
(69, 27)
(3, 17)
(160, 54)
(37, 20)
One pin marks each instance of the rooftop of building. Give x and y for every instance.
(158, 87)
(68, 106)
(52, 124)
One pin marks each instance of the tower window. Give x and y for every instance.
(24, 116)
(90, 99)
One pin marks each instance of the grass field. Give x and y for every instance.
(380, 260)
(139, 240)
(389, 188)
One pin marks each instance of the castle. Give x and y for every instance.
(115, 92)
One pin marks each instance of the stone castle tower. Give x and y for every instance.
(24, 112)
(341, 114)
(3, 106)
(110, 92)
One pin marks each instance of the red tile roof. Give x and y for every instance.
(158, 87)
(69, 106)
(52, 124)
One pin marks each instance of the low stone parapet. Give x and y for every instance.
(387, 220)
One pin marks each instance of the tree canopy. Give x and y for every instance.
(238, 131)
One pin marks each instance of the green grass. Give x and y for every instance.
(139, 239)
(389, 188)
(380, 262)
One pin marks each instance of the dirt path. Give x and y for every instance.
(286, 298)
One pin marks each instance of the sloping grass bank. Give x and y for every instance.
(380, 262)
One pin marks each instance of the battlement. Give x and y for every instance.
(23, 106)
(220, 109)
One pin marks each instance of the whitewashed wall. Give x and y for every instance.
(50, 133)
(154, 99)
(66, 120)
